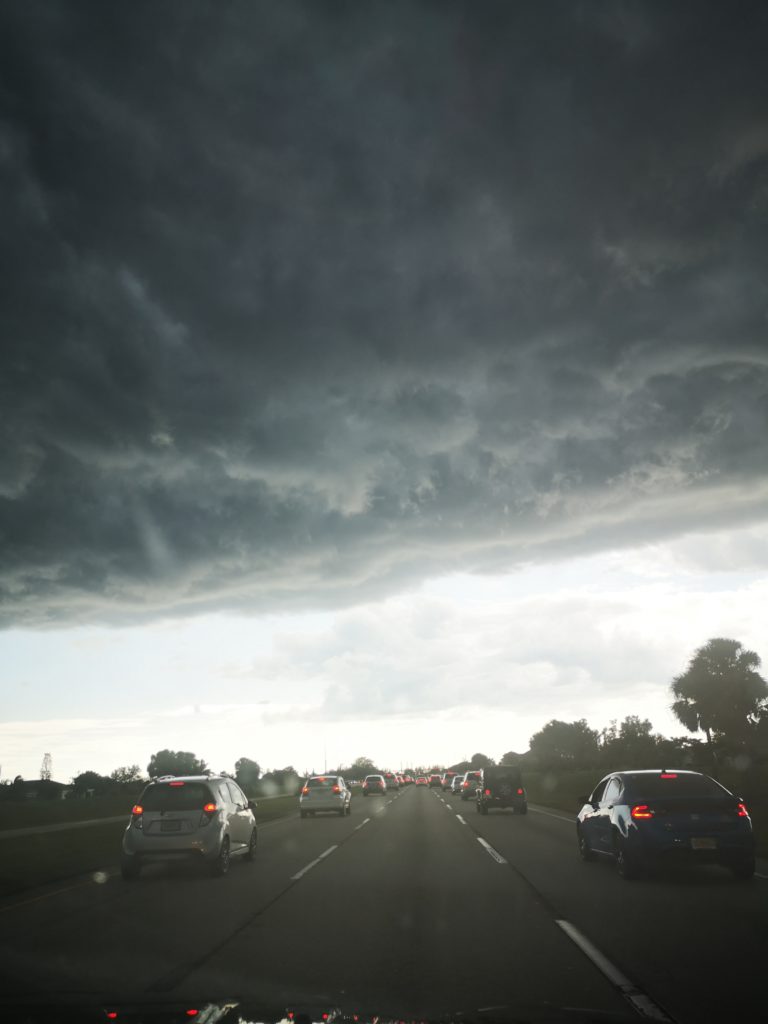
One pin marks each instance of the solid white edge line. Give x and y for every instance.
(361, 824)
(643, 1003)
(461, 819)
(494, 853)
(549, 814)
(314, 863)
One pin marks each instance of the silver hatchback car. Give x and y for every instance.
(195, 817)
(325, 793)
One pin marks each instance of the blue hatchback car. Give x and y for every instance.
(640, 818)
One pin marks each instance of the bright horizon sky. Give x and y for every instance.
(432, 675)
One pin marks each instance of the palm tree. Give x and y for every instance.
(721, 693)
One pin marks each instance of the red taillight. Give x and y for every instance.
(177, 784)
(668, 775)
(137, 809)
(111, 1015)
(192, 1013)
(519, 792)
(742, 811)
(209, 809)
(487, 792)
(641, 811)
(335, 789)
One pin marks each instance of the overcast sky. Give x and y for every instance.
(396, 372)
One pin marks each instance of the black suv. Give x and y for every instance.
(501, 786)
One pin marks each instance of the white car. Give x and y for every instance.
(192, 817)
(325, 793)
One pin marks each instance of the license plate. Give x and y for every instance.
(704, 844)
(170, 826)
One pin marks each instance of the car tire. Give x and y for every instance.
(349, 808)
(585, 850)
(220, 865)
(482, 809)
(522, 810)
(342, 812)
(627, 866)
(130, 869)
(743, 870)
(251, 851)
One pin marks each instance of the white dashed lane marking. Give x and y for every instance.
(489, 849)
(314, 863)
(641, 1002)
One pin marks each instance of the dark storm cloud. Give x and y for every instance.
(303, 301)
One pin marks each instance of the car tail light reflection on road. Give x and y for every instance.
(641, 811)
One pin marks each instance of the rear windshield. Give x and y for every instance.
(472, 775)
(324, 783)
(655, 787)
(373, 778)
(176, 797)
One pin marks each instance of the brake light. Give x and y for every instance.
(192, 1013)
(487, 792)
(305, 789)
(209, 808)
(111, 1015)
(641, 811)
(175, 783)
(335, 789)
(668, 775)
(519, 791)
(137, 809)
(465, 785)
(742, 811)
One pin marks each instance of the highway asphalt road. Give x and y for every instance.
(371, 912)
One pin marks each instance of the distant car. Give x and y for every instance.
(408, 780)
(447, 779)
(420, 780)
(325, 793)
(469, 784)
(640, 818)
(456, 784)
(501, 786)
(391, 780)
(374, 785)
(191, 817)
(435, 782)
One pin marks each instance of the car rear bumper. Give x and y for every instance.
(136, 844)
(681, 849)
(322, 805)
(515, 802)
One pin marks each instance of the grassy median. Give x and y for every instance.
(28, 861)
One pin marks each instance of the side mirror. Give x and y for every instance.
(583, 800)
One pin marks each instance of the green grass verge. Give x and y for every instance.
(28, 813)
(28, 861)
(562, 792)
